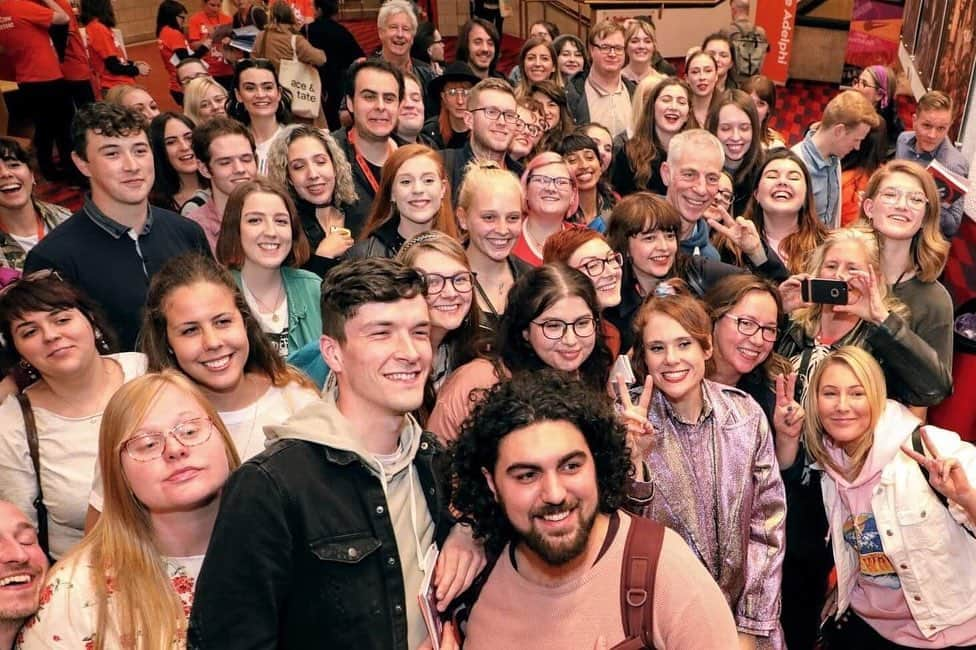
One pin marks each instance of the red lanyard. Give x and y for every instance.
(363, 163)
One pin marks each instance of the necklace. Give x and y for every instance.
(273, 310)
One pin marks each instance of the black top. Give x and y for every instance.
(99, 256)
(341, 50)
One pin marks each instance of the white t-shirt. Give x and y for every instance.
(67, 617)
(68, 450)
(27, 243)
(261, 151)
(246, 425)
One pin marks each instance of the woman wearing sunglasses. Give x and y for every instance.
(164, 456)
(57, 338)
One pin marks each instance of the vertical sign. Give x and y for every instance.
(778, 18)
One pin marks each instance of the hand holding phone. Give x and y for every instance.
(824, 292)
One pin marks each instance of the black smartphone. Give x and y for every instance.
(824, 292)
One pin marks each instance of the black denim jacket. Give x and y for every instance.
(304, 553)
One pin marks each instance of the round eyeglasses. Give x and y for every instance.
(462, 282)
(150, 445)
(555, 329)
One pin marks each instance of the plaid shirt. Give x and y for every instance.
(12, 254)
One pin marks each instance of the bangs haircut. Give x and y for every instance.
(637, 214)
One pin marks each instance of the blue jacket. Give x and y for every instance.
(303, 290)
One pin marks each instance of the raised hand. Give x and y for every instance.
(788, 414)
(143, 68)
(791, 293)
(461, 560)
(336, 242)
(870, 305)
(742, 231)
(946, 475)
(640, 432)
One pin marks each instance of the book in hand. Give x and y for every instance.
(951, 185)
(428, 598)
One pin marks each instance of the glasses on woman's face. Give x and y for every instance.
(149, 446)
(554, 329)
(532, 129)
(892, 196)
(595, 268)
(462, 282)
(561, 183)
(749, 327)
(723, 199)
(862, 84)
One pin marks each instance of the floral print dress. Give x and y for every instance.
(66, 617)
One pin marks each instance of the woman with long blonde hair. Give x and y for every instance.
(130, 582)
(873, 319)
(910, 586)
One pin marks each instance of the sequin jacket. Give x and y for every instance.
(717, 484)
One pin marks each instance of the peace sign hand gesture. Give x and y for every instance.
(742, 231)
(946, 475)
(788, 414)
(640, 432)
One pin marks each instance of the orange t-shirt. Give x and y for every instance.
(101, 45)
(201, 26)
(75, 65)
(170, 40)
(26, 43)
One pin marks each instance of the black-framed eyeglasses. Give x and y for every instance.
(749, 327)
(531, 129)
(724, 198)
(492, 113)
(555, 329)
(562, 183)
(863, 84)
(149, 446)
(462, 282)
(610, 49)
(595, 268)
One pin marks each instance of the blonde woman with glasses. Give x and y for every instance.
(164, 455)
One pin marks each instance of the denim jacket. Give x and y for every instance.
(304, 552)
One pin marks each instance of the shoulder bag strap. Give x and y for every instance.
(294, 50)
(639, 568)
(30, 427)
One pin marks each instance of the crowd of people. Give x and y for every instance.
(577, 356)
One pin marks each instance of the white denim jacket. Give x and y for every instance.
(933, 554)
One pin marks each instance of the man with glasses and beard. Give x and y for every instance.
(492, 120)
(542, 467)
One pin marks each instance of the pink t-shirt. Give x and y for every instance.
(690, 612)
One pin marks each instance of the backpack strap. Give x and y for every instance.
(638, 571)
(30, 428)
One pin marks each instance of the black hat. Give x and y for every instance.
(457, 71)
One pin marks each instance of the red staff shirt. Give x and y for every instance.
(170, 40)
(75, 65)
(200, 26)
(102, 45)
(26, 43)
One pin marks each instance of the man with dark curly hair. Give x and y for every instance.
(542, 466)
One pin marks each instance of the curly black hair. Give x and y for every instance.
(526, 399)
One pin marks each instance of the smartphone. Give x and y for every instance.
(824, 292)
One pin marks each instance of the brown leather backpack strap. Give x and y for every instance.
(30, 427)
(638, 571)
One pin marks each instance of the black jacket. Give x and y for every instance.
(456, 160)
(304, 553)
(341, 50)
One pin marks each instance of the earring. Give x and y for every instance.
(29, 370)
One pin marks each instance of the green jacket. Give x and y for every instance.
(303, 291)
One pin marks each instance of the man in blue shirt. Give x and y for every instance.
(930, 141)
(847, 120)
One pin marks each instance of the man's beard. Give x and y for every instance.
(567, 547)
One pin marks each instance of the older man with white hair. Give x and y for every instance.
(397, 26)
